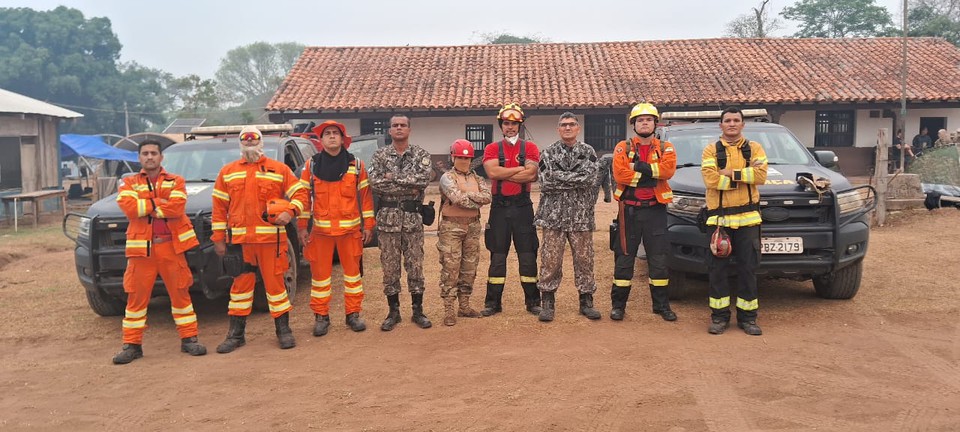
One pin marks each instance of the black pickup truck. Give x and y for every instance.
(100, 234)
(804, 235)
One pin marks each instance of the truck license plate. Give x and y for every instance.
(781, 245)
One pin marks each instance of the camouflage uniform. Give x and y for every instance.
(568, 193)
(605, 176)
(459, 237)
(399, 229)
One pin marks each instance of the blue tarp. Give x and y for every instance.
(93, 146)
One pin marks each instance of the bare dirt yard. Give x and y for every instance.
(887, 360)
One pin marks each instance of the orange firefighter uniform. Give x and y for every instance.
(341, 211)
(157, 236)
(240, 197)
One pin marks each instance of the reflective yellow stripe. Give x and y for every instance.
(323, 223)
(355, 290)
(263, 175)
(635, 179)
(134, 324)
(182, 311)
(352, 170)
(368, 213)
(219, 226)
(185, 320)
(178, 194)
(269, 230)
(238, 231)
(724, 183)
(234, 176)
(240, 305)
(749, 218)
(747, 305)
(187, 235)
(297, 204)
(719, 303)
(364, 183)
(305, 215)
(618, 192)
(528, 279)
(167, 184)
(293, 189)
(132, 244)
(276, 298)
(747, 175)
(304, 183)
(219, 194)
(320, 293)
(668, 195)
(280, 307)
(129, 314)
(659, 282)
(159, 212)
(350, 223)
(240, 297)
(351, 279)
(709, 163)
(129, 194)
(321, 284)
(496, 280)
(142, 208)
(141, 188)
(655, 170)
(622, 282)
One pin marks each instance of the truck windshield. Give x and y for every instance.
(198, 163)
(781, 146)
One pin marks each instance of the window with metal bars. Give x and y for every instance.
(479, 135)
(374, 126)
(834, 129)
(604, 131)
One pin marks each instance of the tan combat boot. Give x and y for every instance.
(449, 317)
(465, 310)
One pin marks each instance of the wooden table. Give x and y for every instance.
(36, 198)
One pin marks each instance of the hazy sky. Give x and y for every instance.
(184, 37)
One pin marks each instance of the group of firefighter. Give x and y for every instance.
(255, 199)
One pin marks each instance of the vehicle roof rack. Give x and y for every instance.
(758, 114)
(283, 128)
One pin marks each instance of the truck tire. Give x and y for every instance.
(289, 279)
(842, 284)
(105, 305)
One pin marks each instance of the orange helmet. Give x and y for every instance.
(720, 243)
(512, 112)
(343, 131)
(461, 148)
(275, 206)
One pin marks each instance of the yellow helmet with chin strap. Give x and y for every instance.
(512, 112)
(644, 108)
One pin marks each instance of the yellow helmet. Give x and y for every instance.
(644, 108)
(512, 112)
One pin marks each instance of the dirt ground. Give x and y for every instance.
(887, 360)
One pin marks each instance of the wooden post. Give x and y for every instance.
(879, 177)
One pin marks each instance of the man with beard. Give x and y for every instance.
(157, 237)
(399, 174)
(342, 213)
(240, 197)
(641, 167)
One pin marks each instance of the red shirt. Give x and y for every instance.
(160, 228)
(511, 158)
(643, 194)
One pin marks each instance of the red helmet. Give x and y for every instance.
(275, 206)
(343, 131)
(461, 148)
(720, 243)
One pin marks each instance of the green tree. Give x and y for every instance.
(191, 96)
(839, 18)
(255, 70)
(756, 24)
(507, 38)
(939, 18)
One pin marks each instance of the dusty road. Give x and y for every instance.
(887, 360)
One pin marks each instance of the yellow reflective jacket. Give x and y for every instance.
(739, 190)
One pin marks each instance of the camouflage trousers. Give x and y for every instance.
(552, 245)
(459, 246)
(409, 246)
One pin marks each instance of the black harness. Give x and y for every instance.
(503, 160)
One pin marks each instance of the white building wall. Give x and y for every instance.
(865, 129)
(802, 124)
(913, 120)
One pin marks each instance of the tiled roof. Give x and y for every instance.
(675, 73)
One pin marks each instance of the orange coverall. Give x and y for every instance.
(240, 197)
(142, 201)
(337, 223)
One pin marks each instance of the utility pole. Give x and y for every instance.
(126, 117)
(903, 90)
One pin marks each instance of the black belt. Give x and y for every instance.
(642, 203)
(405, 205)
(521, 199)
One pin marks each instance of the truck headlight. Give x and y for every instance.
(686, 205)
(851, 201)
(83, 227)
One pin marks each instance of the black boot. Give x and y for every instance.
(531, 295)
(618, 302)
(418, 317)
(491, 304)
(322, 325)
(284, 334)
(129, 353)
(549, 302)
(355, 322)
(192, 346)
(586, 307)
(661, 303)
(393, 317)
(235, 338)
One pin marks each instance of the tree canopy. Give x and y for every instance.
(756, 24)
(939, 18)
(839, 18)
(252, 71)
